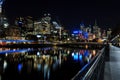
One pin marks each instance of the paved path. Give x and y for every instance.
(112, 67)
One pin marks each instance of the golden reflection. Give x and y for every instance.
(86, 46)
(45, 60)
(2, 49)
(94, 52)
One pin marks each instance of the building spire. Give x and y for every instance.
(95, 22)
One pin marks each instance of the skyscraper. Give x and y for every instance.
(1, 2)
(96, 30)
(3, 19)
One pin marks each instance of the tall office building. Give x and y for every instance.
(96, 30)
(1, 3)
(82, 26)
(3, 19)
(43, 26)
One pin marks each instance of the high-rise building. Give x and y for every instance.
(109, 33)
(3, 19)
(82, 27)
(96, 30)
(43, 26)
(1, 3)
(13, 32)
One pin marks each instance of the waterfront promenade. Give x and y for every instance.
(112, 66)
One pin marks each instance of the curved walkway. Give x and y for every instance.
(112, 67)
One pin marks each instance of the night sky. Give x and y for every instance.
(69, 13)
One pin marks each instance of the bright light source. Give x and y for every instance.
(5, 65)
(38, 36)
(38, 53)
(68, 39)
(6, 25)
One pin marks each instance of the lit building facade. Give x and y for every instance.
(3, 19)
(13, 33)
(96, 30)
(43, 26)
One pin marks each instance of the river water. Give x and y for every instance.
(49, 63)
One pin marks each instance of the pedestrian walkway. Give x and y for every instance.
(112, 67)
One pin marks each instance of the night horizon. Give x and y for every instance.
(69, 13)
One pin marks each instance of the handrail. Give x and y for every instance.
(86, 71)
(92, 68)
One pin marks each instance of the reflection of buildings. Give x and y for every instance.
(83, 55)
(46, 62)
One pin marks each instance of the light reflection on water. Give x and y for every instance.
(43, 63)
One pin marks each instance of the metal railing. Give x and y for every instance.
(116, 40)
(94, 70)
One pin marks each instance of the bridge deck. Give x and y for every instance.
(112, 67)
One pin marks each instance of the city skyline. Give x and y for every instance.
(69, 13)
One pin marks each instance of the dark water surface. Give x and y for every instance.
(50, 63)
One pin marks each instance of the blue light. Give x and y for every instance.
(20, 67)
(86, 53)
(75, 57)
(75, 32)
(17, 40)
(72, 54)
(12, 51)
(80, 32)
(80, 57)
(85, 35)
(82, 24)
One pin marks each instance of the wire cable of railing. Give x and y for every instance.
(86, 71)
(92, 68)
